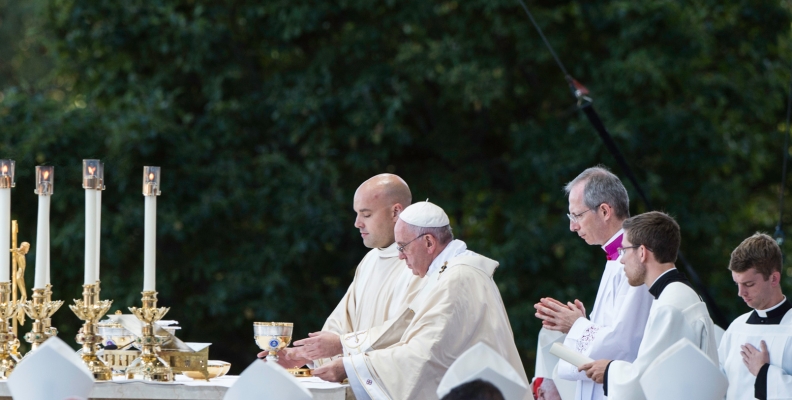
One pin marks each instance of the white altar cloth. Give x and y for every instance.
(185, 388)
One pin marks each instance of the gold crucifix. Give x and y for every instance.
(18, 264)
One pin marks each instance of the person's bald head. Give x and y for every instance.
(378, 202)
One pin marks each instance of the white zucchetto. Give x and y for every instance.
(424, 215)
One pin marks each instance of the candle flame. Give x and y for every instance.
(91, 170)
(151, 176)
(45, 175)
(5, 169)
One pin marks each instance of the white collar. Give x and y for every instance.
(763, 313)
(453, 249)
(388, 252)
(620, 232)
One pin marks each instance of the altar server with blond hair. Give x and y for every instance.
(756, 351)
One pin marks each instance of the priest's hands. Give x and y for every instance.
(753, 358)
(557, 316)
(332, 372)
(318, 345)
(286, 358)
(596, 370)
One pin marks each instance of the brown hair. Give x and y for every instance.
(759, 251)
(657, 231)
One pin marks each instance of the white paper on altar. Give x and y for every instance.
(569, 355)
(53, 371)
(267, 380)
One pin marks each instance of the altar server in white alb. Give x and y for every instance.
(756, 351)
(459, 306)
(648, 252)
(382, 286)
(598, 204)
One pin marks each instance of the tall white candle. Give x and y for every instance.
(44, 189)
(151, 185)
(100, 176)
(6, 183)
(90, 183)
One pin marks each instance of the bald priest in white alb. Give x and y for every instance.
(459, 306)
(382, 286)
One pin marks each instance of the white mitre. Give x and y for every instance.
(425, 215)
(481, 362)
(683, 371)
(266, 380)
(51, 372)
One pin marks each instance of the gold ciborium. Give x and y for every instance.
(90, 309)
(40, 309)
(8, 310)
(149, 366)
(272, 337)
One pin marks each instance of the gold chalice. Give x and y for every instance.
(272, 337)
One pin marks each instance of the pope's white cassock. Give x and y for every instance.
(459, 306)
(616, 326)
(774, 380)
(677, 313)
(381, 289)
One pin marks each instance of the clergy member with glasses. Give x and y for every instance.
(598, 205)
(649, 250)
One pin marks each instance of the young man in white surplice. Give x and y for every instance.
(598, 204)
(756, 351)
(649, 250)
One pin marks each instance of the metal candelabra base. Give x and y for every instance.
(149, 366)
(90, 309)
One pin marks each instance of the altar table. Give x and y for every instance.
(187, 389)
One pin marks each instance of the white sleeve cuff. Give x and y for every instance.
(578, 328)
(362, 380)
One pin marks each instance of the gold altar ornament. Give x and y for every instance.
(149, 366)
(8, 310)
(40, 309)
(272, 337)
(300, 372)
(90, 309)
(18, 266)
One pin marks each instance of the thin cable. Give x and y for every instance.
(549, 47)
(779, 233)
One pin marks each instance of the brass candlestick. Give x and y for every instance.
(90, 309)
(40, 309)
(8, 310)
(149, 366)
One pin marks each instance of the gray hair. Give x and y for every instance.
(602, 186)
(443, 234)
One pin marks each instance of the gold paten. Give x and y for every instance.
(300, 372)
(149, 366)
(90, 309)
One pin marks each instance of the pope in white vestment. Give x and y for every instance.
(677, 313)
(615, 327)
(459, 307)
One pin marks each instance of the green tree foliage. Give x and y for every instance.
(265, 118)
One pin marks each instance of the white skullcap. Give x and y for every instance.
(424, 215)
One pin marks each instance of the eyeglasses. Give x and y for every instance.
(575, 217)
(401, 248)
(623, 250)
